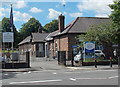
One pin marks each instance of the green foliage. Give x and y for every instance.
(52, 26)
(31, 26)
(6, 25)
(103, 33)
(116, 12)
(115, 16)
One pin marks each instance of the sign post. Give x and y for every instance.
(8, 38)
(89, 47)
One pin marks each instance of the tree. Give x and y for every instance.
(31, 26)
(102, 34)
(52, 26)
(115, 16)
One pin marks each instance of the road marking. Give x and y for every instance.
(6, 74)
(25, 73)
(91, 78)
(90, 71)
(73, 79)
(113, 77)
(36, 81)
(54, 73)
(29, 72)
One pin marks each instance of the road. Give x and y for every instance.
(62, 77)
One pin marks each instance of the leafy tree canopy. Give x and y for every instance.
(52, 26)
(103, 33)
(6, 27)
(115, 16)
(31, 26)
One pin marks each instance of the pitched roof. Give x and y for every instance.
(49, 37)
(26, 40)
(82, 24)
(39, 37)
(36, 37)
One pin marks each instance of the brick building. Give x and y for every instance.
(35, 44)
(64, 38)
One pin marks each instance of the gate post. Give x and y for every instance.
(28, 59)
(72, 60)
(64, 58)
(58, 56)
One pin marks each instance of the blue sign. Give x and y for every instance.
(89, 46)
(75, 46)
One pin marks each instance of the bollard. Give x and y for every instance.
(82, 61)
(95, 63)
(3, 65)
(72, 60)
(110, 61)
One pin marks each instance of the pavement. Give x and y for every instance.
(42, 64)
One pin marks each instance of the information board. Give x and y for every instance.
(89, 46)
(8, 37)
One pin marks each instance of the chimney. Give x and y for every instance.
(61, 23)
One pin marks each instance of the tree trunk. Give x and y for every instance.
(108, 50)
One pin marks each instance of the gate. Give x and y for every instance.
(62, 57)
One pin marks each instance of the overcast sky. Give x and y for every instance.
(47, 10)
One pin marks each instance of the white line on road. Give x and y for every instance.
(29, 72)
(54, 73)
(113, 77)
(74, 79)
(91, 78)
(25, 73)
(6, 74)
(90, 71)
(36, 81)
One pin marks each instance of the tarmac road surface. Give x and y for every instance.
(62, 77)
